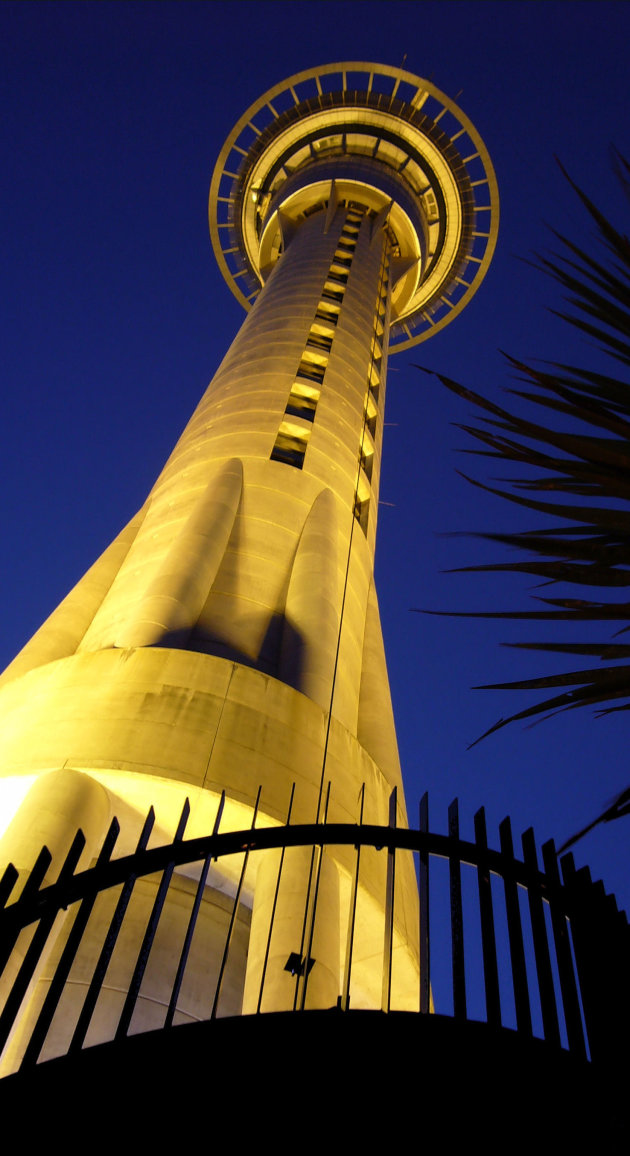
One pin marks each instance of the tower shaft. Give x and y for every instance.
(227, 645)
(250, 529)
(230, 640)
(256, 544)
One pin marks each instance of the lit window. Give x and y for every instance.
(290, 446)
(319, 341)
(302, 402)
(325, 313)
(371, 414)
(361, 511)
(367, 461)
(331, 294)
(337, 279)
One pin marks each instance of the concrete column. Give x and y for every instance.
(56, 806)
(52, 812)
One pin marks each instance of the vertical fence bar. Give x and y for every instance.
(486, 915)
(93, 991)
(28, 893)
(515, 932)
(313, 913)
(307, 902)
(352, 913)
(616, 1027)
(548, 1007)
(149, 935)
(568, 982)
(43, 930)
(192, 922)
(601, 941)
(7, 883)
(591, 950)
(232, 924)
(425, 943)
(302, 969)
(57, 984)
(457, 919)
(274, 905)
(388, 944)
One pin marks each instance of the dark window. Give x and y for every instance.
(361, 510)
(325, 314)
(289, 450)
(311, 372)
(332, 295)
(299, 405)
(316, 341)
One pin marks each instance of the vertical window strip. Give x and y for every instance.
(366, 446)
(292, 439)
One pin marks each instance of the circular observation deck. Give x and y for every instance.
(370, 135)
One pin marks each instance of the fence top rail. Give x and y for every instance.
(114, 872)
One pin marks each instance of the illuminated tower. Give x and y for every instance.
(229, 638)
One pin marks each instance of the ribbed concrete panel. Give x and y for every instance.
(375, 728)
(171, 605)
(311, 619)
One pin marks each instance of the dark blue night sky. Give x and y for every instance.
(115, 317)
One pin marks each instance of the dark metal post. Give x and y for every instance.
(568, 982)
(457, 919)
(149, 935)
(38, 942)
(275, 904)
(390, 883)
(237, 899)
(541, 944)
(73, 942)
(192, 922)
(305, 971)
(93, 991)
(345, 993)
(486, 914)
(515, 932)
(425, 943)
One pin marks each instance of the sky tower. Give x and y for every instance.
(229, 639)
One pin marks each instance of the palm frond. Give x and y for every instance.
(614, 810)
(588, 541)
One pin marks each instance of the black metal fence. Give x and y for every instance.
(542, 950)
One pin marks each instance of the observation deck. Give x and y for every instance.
(370, 134)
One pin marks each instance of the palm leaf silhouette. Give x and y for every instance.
(580, 481)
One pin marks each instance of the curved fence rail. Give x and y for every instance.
(500, 938)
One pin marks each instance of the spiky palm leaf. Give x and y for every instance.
(591, 545)
(589, 471)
